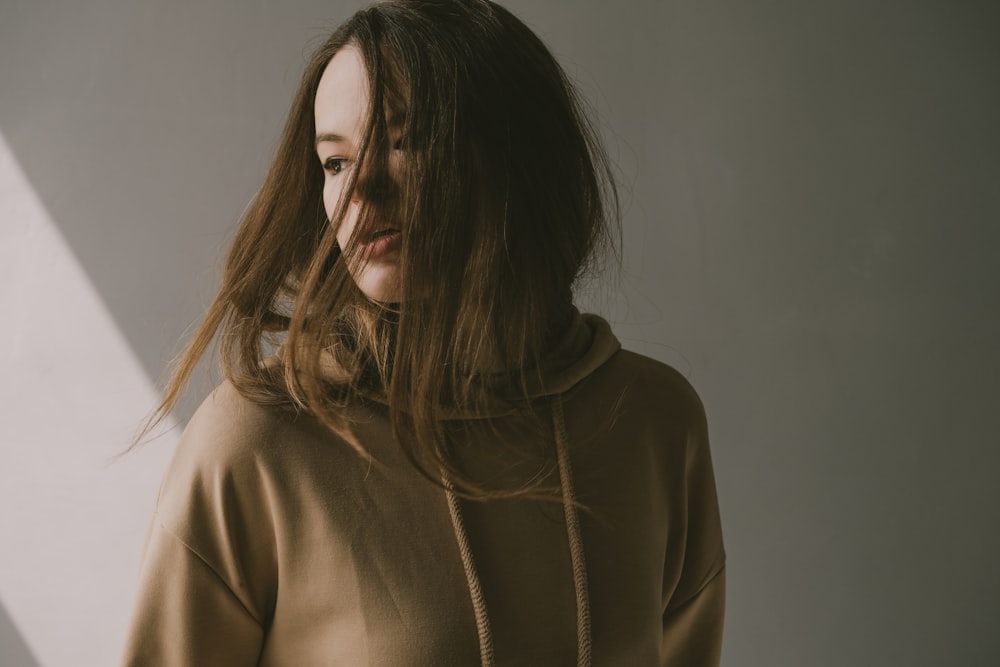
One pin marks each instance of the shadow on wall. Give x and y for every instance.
(13, 651)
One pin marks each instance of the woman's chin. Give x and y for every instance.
(379, 282)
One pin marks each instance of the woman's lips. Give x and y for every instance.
(381, 243)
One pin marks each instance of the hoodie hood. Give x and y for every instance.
(586, 343)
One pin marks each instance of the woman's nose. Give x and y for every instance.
(374, 182)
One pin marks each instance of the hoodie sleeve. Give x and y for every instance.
(692, 632)
(186, 613)
(694, 611)
(209, 575)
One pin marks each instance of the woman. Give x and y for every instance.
(422, 453)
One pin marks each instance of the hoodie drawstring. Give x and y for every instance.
(471, 576)
(583, 635)
(583, 632)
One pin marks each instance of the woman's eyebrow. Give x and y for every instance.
(336, 138)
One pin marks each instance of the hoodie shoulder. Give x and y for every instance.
(231, 420)
(649, 386)
(217, 450)
(237, 451)
(653, 374)
(226, 434)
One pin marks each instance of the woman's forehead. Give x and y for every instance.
(342, 95)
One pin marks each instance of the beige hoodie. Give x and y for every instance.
(274, 543)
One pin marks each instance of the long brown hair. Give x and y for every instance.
(506, 194)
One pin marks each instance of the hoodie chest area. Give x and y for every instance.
(371, 571)
(369, 574)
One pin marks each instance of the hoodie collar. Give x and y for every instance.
(586, 343)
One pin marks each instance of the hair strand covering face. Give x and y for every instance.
(505, 197)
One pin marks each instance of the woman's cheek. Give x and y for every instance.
(331, 195)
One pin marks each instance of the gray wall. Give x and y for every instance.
(813, 216)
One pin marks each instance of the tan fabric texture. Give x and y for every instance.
(274, 543)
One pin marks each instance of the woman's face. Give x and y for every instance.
(341, 111)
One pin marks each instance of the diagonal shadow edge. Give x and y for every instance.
(13, 649)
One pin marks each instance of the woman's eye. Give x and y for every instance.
(334, 165)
